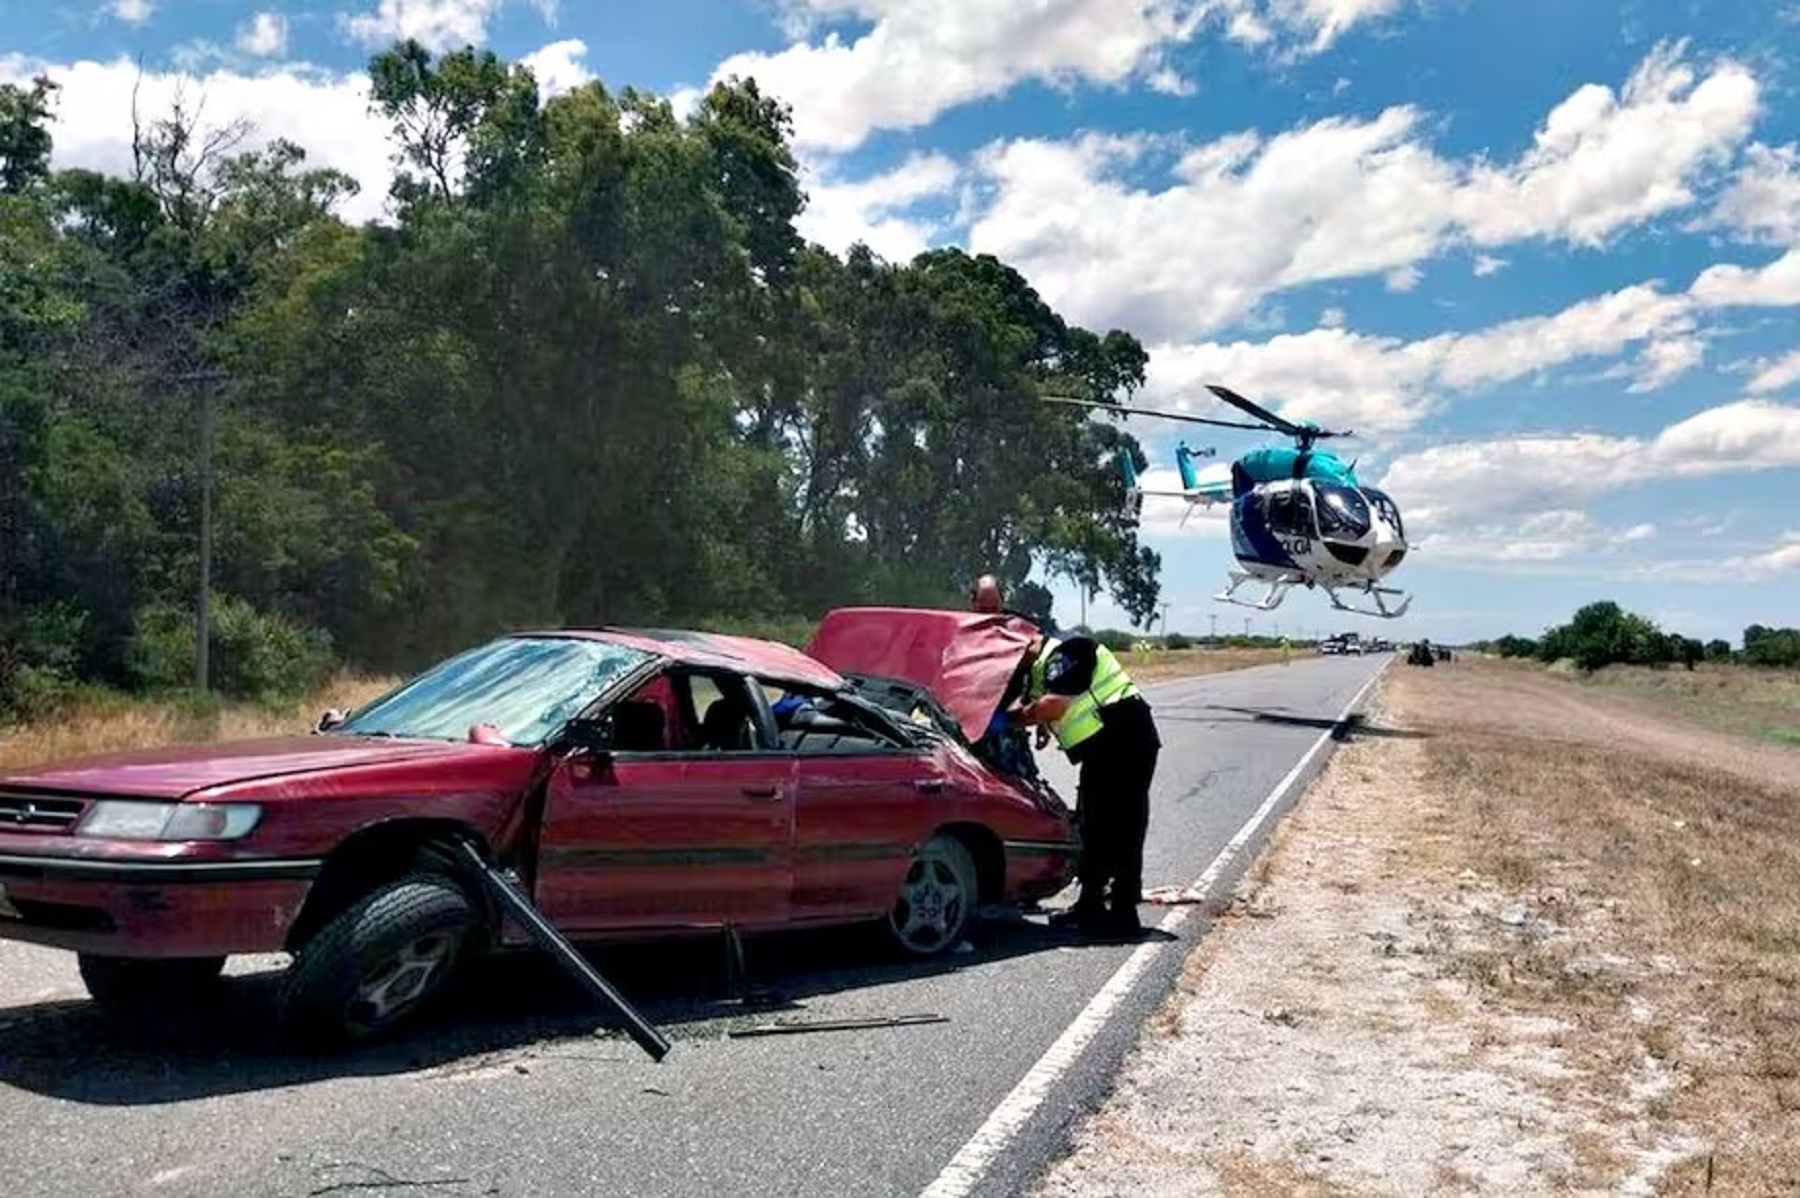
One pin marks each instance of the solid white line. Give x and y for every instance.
(967, 1167)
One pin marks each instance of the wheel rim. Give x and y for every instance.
(402, 980)
(933, 902)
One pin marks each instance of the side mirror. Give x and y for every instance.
(331, 718)
(588, 737)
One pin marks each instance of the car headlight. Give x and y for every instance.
(130, 819)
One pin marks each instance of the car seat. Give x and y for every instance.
(638, 727)
(726, 727)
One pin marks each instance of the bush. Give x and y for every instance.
(252, 655)
(40, 661)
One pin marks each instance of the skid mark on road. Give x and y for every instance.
(972, 1161)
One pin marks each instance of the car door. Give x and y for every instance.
(669, 829)
(862, 804)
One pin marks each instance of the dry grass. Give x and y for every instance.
(116, 724)
(1659, 862)
(1165, 664)
(1524, 935)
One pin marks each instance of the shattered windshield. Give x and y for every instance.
(526, 687)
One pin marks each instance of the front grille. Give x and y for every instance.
(38, 813)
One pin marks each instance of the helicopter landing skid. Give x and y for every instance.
(1375, 593)
(1276, 589)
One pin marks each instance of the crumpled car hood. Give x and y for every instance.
(965, 659)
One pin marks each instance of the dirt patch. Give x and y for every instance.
(1548, 944)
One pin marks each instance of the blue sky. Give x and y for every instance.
(1543, 257)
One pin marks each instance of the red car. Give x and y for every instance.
(635, 783)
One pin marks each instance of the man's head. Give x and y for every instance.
(985, 596)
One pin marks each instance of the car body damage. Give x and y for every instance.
(635, 783)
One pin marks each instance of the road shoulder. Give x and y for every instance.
(1426, 984)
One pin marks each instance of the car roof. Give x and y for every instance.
(770, 660)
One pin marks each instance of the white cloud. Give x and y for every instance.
(558, 67)
(1763, 202)
(878, 210)
(132, 12)
(924, 57)
(1603, 162)
(326, 114)
(1487, 264)
(1162, 516)
(1228, 223)
(1449, 490)
(1773, 286)
(438, 25)
(1381, 384)
(1404, 279)
(265, 35)
(1778, 375)
(1662, 362)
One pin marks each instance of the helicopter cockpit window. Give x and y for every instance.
(1385, 508)
(1290, 514)
(1343, 516)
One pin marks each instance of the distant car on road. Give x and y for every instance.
(638, 783)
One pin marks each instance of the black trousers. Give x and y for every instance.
(1113, 807)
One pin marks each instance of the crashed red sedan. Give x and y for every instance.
(633, 782)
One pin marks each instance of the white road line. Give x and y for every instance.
(971, 1162)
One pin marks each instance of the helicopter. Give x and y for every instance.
(1299, 516)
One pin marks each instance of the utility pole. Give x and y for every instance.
(1165, 617)
(207, 380)
(1214, 617)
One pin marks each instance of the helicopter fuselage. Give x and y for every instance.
(1306, 532)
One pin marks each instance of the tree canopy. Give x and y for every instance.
(588, 372)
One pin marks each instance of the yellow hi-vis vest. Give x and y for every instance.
(1109, 684)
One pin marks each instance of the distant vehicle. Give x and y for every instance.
(1422, 654)
(1299, 516)
(637, 783)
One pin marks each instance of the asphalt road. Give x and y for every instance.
(513, 1093)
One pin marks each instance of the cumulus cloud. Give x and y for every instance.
(1778, 375)
(132, 12)
(1728, 285)
(924, 57)
(437, 24)
(558, 67)
(881, 211)
(1762, 204)
(264, 36)
(1115, 236)
(1448, 490)
(1385, 384)
(326, 114)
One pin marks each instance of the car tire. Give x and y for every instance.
(937, 898)
(143, 985)
(376, 965)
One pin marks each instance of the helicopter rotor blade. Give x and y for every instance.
(1285, 426)
(1183, 416)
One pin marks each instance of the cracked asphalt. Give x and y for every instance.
(513, 1089)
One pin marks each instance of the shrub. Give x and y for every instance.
(252, 655)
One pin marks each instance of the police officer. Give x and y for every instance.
(1078, 690)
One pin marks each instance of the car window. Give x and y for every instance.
(526, 688)
(816, 723)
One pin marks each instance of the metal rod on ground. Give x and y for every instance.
(551, 941)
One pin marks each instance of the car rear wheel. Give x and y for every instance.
(378, 963)
(937, 897)
(133, 985)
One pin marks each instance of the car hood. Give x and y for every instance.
(964, 659)
(176, 771)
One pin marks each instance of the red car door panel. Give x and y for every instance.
(667, 841)
(857, 820)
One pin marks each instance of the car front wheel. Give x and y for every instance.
(937, 897)
(377, 964)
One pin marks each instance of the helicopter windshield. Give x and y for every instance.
(1343, 516)
(1384, 507)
